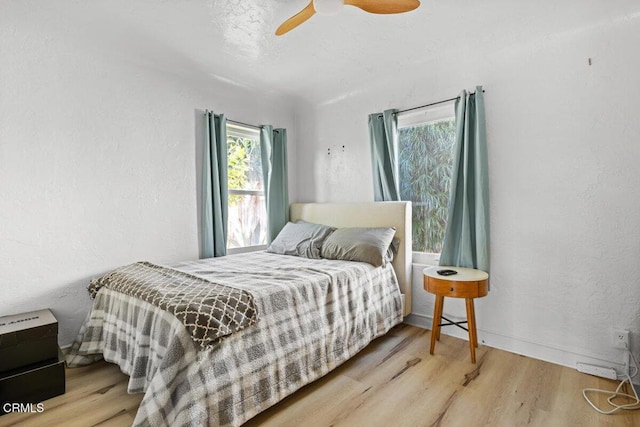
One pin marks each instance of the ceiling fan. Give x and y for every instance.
(332, 7)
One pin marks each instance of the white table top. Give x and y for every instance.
(464, 274)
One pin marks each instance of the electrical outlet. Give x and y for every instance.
(621, 338)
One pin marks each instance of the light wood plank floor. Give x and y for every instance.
(393, 382)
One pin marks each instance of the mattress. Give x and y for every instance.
(313, 315)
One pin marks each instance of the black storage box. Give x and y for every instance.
(33, 384)
(26, 339)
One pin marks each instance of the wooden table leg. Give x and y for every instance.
(435, 328)
(473, 316)
(471, 321)
(440, 308)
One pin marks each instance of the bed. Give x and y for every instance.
(314, 314)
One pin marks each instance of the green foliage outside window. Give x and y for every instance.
(247, 213)
(245, 167)
(425, 164)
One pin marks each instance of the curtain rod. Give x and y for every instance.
(433, 103)
(235, 122)
(244, 124)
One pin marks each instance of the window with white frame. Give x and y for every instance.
(247, 220)
(425, 161)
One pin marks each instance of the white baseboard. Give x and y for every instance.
(561, 356)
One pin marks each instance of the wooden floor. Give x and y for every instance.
(393, 382)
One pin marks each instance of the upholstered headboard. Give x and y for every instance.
(372, 214)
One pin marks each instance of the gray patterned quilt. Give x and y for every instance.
(208, 310)
(314, 315)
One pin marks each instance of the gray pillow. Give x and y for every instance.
(300, 239)
(367, 244)
(392, 251)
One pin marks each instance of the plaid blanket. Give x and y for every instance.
(314, 315)
(208, 310)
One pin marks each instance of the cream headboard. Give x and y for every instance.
(372, 214)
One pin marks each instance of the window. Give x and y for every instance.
(247, 221)
(425, 160)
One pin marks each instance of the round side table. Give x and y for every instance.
(467, 283)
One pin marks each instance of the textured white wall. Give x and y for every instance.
(563, 158)
(99, 131)
(99, 150)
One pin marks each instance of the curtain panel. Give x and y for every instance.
(466, 242)
(383, 135)
(215, 194)
(273, 146)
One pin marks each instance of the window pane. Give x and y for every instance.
(245, 166)
(247, 220)
(425, 163)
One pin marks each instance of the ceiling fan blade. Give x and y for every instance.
(385, 6)
(296, 19)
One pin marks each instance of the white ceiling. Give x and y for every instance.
(325, 57)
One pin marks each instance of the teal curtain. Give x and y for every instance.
(273, 146)
(215, 194)
(466, 242)
(383, 134)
